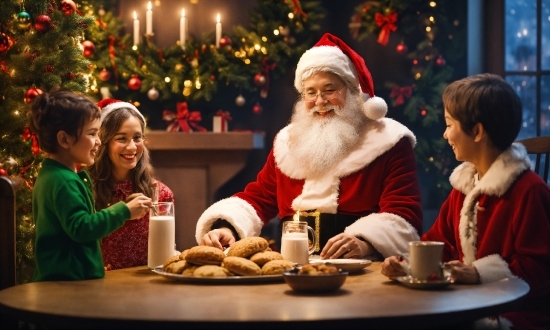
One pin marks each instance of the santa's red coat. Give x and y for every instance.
(377, 182)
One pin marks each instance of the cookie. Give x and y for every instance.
(169, 261)
(205, 255)
(261, 258)
(183, 254)
(241, 266)
(276, 267)
(211, 271)
(247, 247)
(176, 267)
(189, 269)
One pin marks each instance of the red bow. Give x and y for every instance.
(28, 134)
(185, 120)
(387, 24)
(400, 93)
(298, 8)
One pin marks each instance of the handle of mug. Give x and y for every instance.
(312, 248)
(403, 259)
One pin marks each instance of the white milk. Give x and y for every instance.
(294, 247)
(161, 240)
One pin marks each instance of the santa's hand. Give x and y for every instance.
(219, 238)
(345, 246)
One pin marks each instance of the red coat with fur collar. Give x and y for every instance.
(501, 225)
(377, 182)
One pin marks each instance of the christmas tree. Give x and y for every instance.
(204, 76)
(39, 51)
(429, 35)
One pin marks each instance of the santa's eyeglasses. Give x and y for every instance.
(326, 95)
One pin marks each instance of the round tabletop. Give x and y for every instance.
(139, 297)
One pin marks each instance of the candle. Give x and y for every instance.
(149, 20)
(136, 29)
(183, 29)
(218, 31)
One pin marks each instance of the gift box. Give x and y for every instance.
(220, 122)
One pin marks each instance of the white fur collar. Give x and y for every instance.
(500, 176)
(379, 136)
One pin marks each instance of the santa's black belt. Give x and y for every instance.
(328, 225)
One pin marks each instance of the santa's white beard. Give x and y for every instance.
(318, 143)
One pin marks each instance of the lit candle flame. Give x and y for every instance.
(218, 18)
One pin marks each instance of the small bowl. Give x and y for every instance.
(314, 283)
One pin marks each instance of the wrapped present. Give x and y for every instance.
(220, 121)
(183, 120)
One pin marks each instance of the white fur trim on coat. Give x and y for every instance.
(492, 268)
(388, 233)
(240, 214)
(503, 172)
(379, 137)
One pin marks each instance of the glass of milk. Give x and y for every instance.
(295, 244)
(161, 234)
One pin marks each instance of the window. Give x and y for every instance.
(526, 61)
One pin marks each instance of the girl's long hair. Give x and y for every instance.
(141, 176)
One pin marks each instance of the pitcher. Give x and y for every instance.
(295, 242)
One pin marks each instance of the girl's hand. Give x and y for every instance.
(392, 268)
(462, 273)
(139, 206)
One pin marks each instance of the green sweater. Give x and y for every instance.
(68, 229)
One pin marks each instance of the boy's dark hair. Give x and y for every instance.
(61, 110)
(487, 99)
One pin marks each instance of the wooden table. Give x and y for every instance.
(138, 298)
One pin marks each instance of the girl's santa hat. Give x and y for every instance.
(109, 105)
(332, 53)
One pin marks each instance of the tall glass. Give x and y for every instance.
(162, 234)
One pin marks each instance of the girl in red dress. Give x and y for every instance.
(121, 171)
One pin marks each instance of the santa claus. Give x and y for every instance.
(340, 165)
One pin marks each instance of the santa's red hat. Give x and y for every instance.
(109, 105)
(330, 52)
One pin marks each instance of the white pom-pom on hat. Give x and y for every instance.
(375, 108)
(332, 53)
(108, 105)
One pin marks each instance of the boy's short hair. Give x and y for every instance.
(487, 99)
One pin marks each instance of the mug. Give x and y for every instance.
(424, 260)
(162, 234)
(295, 242)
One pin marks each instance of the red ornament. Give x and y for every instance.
(3, 172)
(440, 61)
(5, 42)
(134, 83)
(89, 48)
(43, 23)
(225, 41)
(104, 75)
(423, 112)
(68, 7)
(257, 108)
(401, 48)
(259, 79)
(31, 93)
(49, 68)
(70, 75)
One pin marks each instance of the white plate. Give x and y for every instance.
(417, 284)
(351, 265)
(219, 280)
